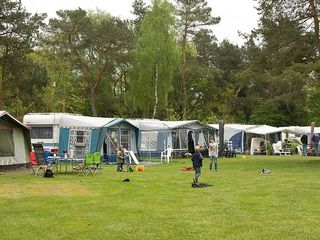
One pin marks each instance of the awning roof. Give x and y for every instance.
(148, 124)
(83, 121)
(5, 116)
(264, 129)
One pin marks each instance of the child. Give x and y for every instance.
(213, 154)
(197, 163)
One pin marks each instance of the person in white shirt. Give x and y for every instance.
(213, 154)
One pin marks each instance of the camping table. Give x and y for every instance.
(69, 163)
(53, 163)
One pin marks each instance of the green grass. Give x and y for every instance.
(159, 203)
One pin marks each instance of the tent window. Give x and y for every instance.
(80, 136)
(175, 140)
(113, 139)
(118, 137)
(6, 143)
(149, 141)
(42, 132)
(80, 141)
(125, 139)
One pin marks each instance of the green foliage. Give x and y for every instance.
(19, 31)
(95, 44)
(154, 60)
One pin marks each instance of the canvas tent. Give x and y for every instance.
(15, 143)
(152, 137)
(236, 133)
(180, 133)
(80, 134)
(115, 133)
(265, 131)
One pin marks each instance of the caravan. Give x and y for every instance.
(45, 129)
(76, 135)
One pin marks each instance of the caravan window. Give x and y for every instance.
(6, 143)
(42, 132)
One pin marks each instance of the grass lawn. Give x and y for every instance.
(159, 203)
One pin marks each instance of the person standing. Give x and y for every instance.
(304, 141)
(213, 154)
(315, 140)
(120, 159)
(197, 163)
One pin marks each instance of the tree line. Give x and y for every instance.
(165, 63)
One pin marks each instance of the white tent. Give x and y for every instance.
(152, 137)
(263, 130)
(235, 133)
(15, 143)
(300, 130)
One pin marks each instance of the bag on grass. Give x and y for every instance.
(200, 185)
(48, 173)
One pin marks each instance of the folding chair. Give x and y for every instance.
(33, 163)
(87, 166)
(97, 167)
(40, 157)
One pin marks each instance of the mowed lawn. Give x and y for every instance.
(159, 203)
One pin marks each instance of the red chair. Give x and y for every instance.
(34, 164)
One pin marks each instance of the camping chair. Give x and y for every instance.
(40, 157)
(33, 163)
(97, 167)
(277, 149)
(167, 154)
(87, 166)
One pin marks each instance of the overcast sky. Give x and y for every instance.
(236, 15)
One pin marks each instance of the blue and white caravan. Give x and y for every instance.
(80, 134)
(45, 128)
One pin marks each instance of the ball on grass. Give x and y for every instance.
(139, 168)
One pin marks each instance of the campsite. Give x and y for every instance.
(145, 119)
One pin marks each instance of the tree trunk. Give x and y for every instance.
(314, 14)
(93, 101)
(155, 93)
(183, 78)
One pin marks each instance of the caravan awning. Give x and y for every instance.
(300, 130)
(264, 130)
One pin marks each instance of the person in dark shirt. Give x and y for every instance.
(315, 141)
(304, 141)
(120, 159)
(197, 163)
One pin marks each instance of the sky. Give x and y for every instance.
(236, 15)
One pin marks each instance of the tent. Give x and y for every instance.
(264, 131)
(236, 133)
(15, 143)
(181, 132)
(80, 134)
(115, 133)
(152, 136)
